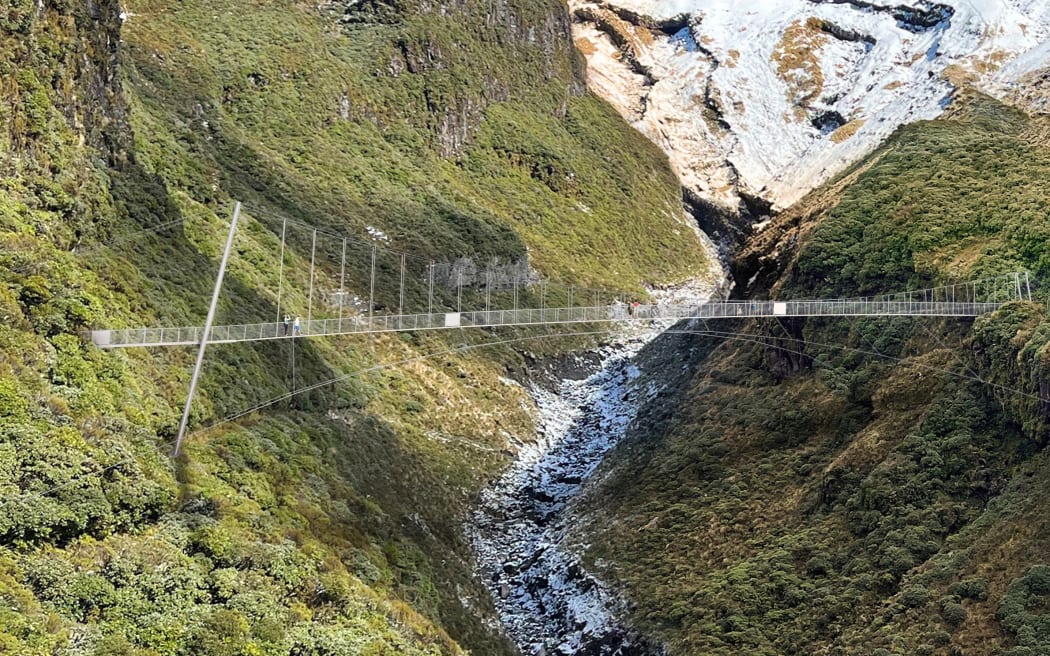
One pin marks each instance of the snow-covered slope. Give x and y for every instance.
(772, 97)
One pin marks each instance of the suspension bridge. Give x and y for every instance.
(416, 280)
(908, 305)
(442, 285)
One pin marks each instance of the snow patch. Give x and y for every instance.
(728, 112)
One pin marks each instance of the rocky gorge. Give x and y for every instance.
(525, 531)
(547, 602)
(778, 487)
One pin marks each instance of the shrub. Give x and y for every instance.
(222, 632)
(941, 638)
(1022, 609)
(13, 406)
(216, 542)
(818, 565)
(953, 613)
(972, 588)
(914, 596)
(223, 583)
(113, 645)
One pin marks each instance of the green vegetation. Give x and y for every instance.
(944, 200)
(286, 109)
(1023, 611)
(886, 492)
(326, 524)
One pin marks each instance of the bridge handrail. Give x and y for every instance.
(503, 317)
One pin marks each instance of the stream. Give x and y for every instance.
(548, 604)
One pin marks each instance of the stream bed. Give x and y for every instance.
(548, 604)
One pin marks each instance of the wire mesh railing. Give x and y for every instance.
(387, 290)
(999, 288)
(530, 316)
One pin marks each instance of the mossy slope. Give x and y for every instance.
(326, 524)
(878, 487)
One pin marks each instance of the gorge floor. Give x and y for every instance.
(547, 602)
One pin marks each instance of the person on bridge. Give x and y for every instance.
(287, 325)
(297, 327)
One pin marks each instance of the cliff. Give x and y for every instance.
(328, 522)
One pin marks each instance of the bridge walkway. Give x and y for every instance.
(364, 324)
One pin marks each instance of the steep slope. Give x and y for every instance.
(327, 523)
(871, 486)
(775, 99)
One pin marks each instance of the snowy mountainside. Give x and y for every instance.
(769, 99)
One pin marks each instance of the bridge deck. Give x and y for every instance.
(153, 337)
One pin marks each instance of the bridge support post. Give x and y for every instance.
(372, 289)
(280, 275)
(310, 301)
(430, 290)
(207, 329)
(488, 286)
(342, 284)
(401, 292)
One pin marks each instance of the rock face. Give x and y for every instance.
(535, 37)
(769, 100)
(76, 69)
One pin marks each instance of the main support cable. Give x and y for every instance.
(378, 367)
(743, 337)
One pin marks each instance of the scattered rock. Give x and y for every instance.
(548, 603)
